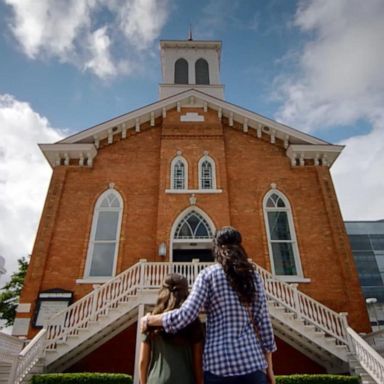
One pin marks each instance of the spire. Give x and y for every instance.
(190, 33)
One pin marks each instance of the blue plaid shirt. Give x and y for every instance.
(231, 346)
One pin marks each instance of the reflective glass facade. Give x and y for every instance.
(367, 242)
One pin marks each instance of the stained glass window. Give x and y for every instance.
(193, 226)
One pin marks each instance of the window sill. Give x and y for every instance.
(293, 279)
(94, 280)
(189, 191)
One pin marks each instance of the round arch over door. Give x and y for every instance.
(191, 236)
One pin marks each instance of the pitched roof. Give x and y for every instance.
(299, 145)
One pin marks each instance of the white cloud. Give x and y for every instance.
(141, 20)
(24, 176)
(70, 31)
(49, 26)
(339, 78)
(101, 62)
(358, 176)
(339, 82)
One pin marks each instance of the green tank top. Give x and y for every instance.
(171, 361)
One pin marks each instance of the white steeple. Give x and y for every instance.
(190, 64)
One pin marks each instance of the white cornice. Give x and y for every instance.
(202, 44)
(319, 154)
(224, 108)
(61, 154)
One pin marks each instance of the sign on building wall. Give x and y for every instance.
(50, 303)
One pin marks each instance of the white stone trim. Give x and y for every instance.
(294, 279)
(23, 308)
(93, 280)
(21, 326)
(176, 223)
(189, 191)
(192, 117)
(96, 211)
(288, 210)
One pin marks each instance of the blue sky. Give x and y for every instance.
(315, 65)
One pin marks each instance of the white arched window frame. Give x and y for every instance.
(103, 245)
(179, 173)
(176, 234)
(207, 173)
(193, 226)
(282, 242)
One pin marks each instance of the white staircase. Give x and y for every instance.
(10, 347)
(304, 323)
(376, 341)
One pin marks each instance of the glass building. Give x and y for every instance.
(367, 242)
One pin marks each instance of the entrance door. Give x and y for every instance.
(187, 255)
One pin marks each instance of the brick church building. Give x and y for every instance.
(142, 194)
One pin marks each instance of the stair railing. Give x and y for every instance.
(28, 357)
(142, 275)
(369, 359)
(154, 273)
(95, 304)
(306, 308)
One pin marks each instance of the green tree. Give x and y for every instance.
(10, 293)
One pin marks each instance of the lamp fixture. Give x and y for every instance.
(162, 249)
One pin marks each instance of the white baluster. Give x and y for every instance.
(296, 301)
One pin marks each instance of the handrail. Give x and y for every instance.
(28, 357)
(369, 359)
(93, 305)
(305, 307)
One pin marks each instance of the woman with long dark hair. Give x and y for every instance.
(239, 336)
(172, 358)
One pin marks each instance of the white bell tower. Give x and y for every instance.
(190, 64)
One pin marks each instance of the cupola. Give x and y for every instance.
(190, 64)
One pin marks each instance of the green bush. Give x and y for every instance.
(317, 379)
(82, 378)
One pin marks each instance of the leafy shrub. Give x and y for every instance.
(317, 379)
(82, 378)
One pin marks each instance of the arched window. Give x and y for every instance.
(179, 173)
(202, 71)
(207, 173)
(104, 240)
(281, 235)
(193, 226)
(181, 71)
